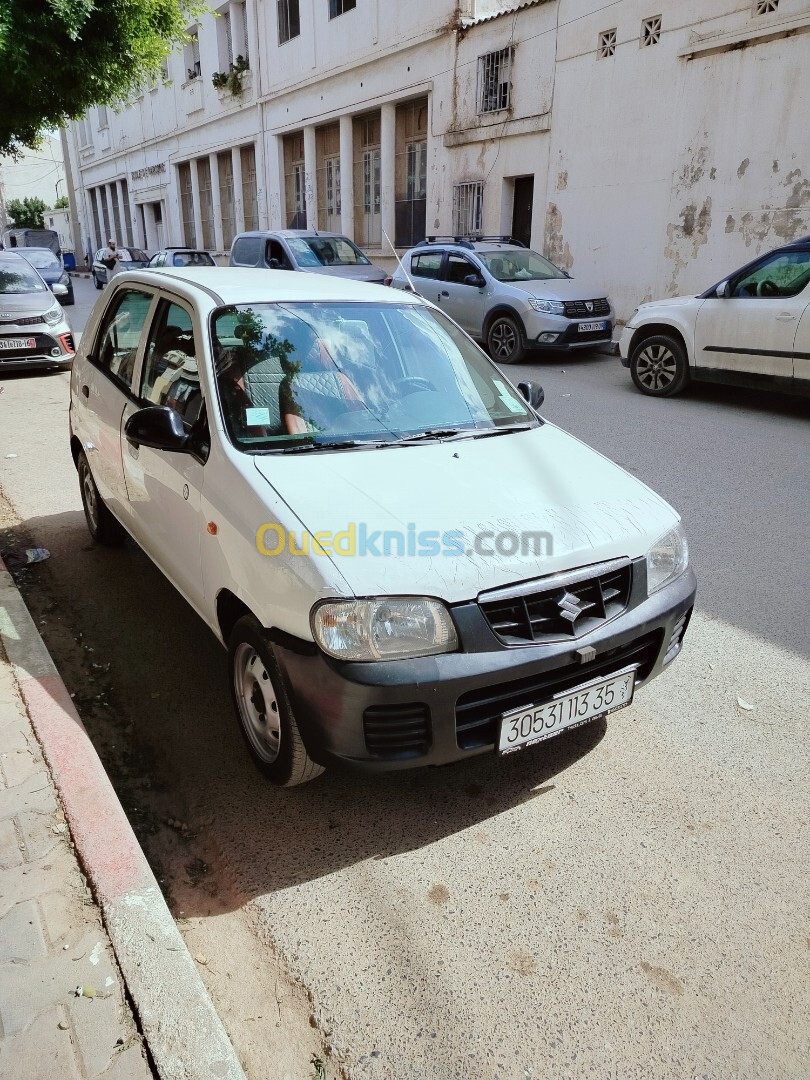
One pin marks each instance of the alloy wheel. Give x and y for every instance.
(503, 339)
(656, 367)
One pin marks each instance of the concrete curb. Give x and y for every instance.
(184, 1034)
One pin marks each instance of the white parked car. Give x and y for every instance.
(407, 564)
(751, 329)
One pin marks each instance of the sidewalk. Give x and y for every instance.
(52, 941)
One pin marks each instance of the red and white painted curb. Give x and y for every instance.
(184, 1034)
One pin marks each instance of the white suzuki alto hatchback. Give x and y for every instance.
(407, 564)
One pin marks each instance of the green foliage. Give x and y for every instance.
(231, 80)
(59, 57)
(26, 213)
(62, 203)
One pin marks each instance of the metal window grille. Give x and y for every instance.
(650, 31)
(289, 20)
(468, 208)
(229, 57)
(765, 7)
(187, 204)
(416, 170)
(250, 202)
(94, 201)
(225, 169)
(192, 54)
(371, 182)
(333, 206)
(495, 81)
(128, 239)
(340, 7)
(607, 44)
(206, 201)
(245, 42)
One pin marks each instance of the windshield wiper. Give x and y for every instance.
(503, 430)
(348, 444)
(436, 433)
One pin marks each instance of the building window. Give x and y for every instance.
(650, 31)
(206, 201)
(127, 237)
(92, 195)
(225, 170)
(102, 117)
(187, 204)
(327, 149)
(367, 180)
(164, 69)
(191, 53)
(411, 172)
(225, 38)
(250, 201)
(289, 20)
(85, 133)
(294, 181)
(340, 7)
(765, 7)
(468, 208)
(607, 44)
(495, 81)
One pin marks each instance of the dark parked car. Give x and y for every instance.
(306, 250)
(131, 259)
(50, 268)
(180, 256)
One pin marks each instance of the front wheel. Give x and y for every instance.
(505, 340)
(658, 366)
(263, 708)
(104, 527)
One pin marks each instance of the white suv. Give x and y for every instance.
(507, 296)
(407, 564)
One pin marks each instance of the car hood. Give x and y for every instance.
(556, 289)
(541, 480)
(669, 302)
(356, 273)
(25, 303)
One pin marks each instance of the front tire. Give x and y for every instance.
(506, 340)
(104, 528)
(263, 708)
(658, 366)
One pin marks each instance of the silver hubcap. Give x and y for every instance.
(656, 367)
(503, 339)
(89, 497)
(256, 699)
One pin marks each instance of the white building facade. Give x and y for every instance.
(649, 146)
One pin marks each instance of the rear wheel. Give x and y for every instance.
(104, 528)
(658, 366)
(505, 340)
(263, 708)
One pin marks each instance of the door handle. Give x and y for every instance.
(785, 316)
(86, 391)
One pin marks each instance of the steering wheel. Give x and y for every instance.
(414, 383)
(767, 288)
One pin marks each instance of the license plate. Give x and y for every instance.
(589, 327)
(535, 723)
(18, 343)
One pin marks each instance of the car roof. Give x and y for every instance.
(290, 233)
(468, 245)
(12, 255)
(240, 285)
(177, 247)
(32, 248)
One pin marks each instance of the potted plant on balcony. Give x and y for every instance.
(232, 80)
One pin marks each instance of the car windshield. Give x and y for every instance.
(348, 374)
(42, 260)
(519, 266)
(20, 278)
(326, 251)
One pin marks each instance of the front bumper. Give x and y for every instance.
(624, 344)
(433, 710)
(54, 347)
(558, 332)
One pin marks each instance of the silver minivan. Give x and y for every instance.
(309, 250)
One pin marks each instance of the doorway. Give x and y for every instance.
(522, 210)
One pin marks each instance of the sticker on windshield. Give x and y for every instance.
(257, 417)
(506, 397)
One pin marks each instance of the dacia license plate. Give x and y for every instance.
(18, 343)
(589, 327)
(570, 709)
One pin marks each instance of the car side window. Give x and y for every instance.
(277, 252)
(784, 275)
(427, 265)
(170, 373)
(247, 251)
(458, 268)
(120, 335)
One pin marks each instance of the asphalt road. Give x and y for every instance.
(628, 900)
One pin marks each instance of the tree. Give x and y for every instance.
(26, 213)
(59, 57)
(61, 203)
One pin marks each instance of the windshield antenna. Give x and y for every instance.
(401, 266)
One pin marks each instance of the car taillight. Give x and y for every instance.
(66, 341)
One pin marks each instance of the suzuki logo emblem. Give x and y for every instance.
(589, 306)
(570, 607)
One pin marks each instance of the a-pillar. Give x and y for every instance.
(219, 242)
(238, 201)
(347, 176)
(195, 204)
(388, 165)
(310, 177)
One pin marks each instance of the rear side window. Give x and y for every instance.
(247, 251)
(427, 265)
(120, 335)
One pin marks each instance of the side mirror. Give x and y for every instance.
(59, 290)
(158, 427)
(475, 280)
(534, 394)
(723, 289)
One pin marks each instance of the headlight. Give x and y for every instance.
(64, 279)
(667, 559)
(386, 628)
(53, 315)
(553, 307)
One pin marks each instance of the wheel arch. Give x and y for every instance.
(653, 329)
(75, 449)
(503, 309)
(230, 610)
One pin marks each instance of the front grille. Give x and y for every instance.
(397, 731)
(554, 610)
(478, 713)
(577, 309)
(33, 320)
